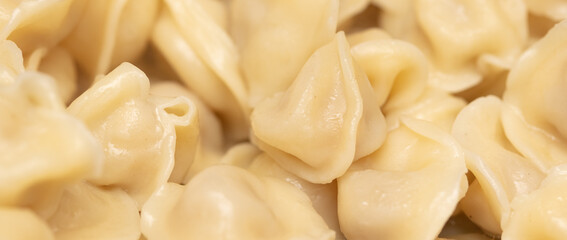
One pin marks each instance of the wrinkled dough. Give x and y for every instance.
(229, 202)
(405, 190)
(271, 36)
(535, 113)
(326, 119)
(139, 134)
(43, 148)
(500, 171)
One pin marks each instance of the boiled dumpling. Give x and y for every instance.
(501, 173)
(535, 115)
(271, 36)
(43, 148)
(114, 31)
(407, 189)
(325, 120)
(227, 202)
(206, 59)
(139, 133)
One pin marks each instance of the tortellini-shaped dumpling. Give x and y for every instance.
(206, 59)
(39, 24)
(43, 148)
(407, 189)
(542, 213)
(271, 36)
(111, 32)
(323, 196)
(502, 174)
(463, 39)
(535, 116)
(227, 202)
(23, 224)
(397, 70)
(325, 120)
(139, 134)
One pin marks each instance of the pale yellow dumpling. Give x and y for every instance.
(325, 120)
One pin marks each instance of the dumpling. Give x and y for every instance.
(407, 189)
(89, 212)
(396, 70)
(23, 224)
(325, 120)
(38, 24)
(227, 202)
(534, 116)
(464, 40)
(206, 59)
(542, 213)
(43, 148)
(501, 173)
(114, 31)
(139, 133)
(323, 196)
(277, 37)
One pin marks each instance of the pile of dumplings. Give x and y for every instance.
(283, 119)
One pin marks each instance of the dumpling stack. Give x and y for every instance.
(283, 119)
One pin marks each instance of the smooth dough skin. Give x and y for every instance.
(283, 119)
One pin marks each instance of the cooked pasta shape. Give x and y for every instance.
(407, 189)
(114, 32)
(397, 71)
(535, 114)
(271, 37)
(540, 214)
(227, 201)
(463, 40)
(89, 212)
(23, 224)
(139, 134)
(43, 148)
(39, 24)
(501, 172)
(210, 128)
(326, 119)
(323, 196)
(206, 60)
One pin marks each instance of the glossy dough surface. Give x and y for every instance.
(283, 119)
